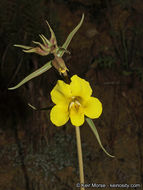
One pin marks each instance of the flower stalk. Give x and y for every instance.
(80, 159)
(73, 98)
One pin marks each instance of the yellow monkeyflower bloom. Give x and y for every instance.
(74, 101)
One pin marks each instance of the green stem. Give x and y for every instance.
(80, 160)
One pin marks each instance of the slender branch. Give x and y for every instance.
(80, 160)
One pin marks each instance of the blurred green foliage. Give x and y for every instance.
(106, 61)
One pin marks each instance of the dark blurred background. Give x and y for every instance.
(106, 51)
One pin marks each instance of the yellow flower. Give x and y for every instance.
(73, 101)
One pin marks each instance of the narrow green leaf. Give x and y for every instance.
(93, 128)
(70, 36)
(22, 46)
(32, 106)
(36, 73)
(53, 37)
(41, 45)
(45, 40)
(39, 109)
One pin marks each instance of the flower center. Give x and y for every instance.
(74, 104)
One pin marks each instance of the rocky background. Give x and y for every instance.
(106, 51)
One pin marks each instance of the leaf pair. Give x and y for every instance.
(48, 46)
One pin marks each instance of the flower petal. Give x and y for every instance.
(61, 93)
(92, 108)
(80, 87)
(77, 117)
(59, 115)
